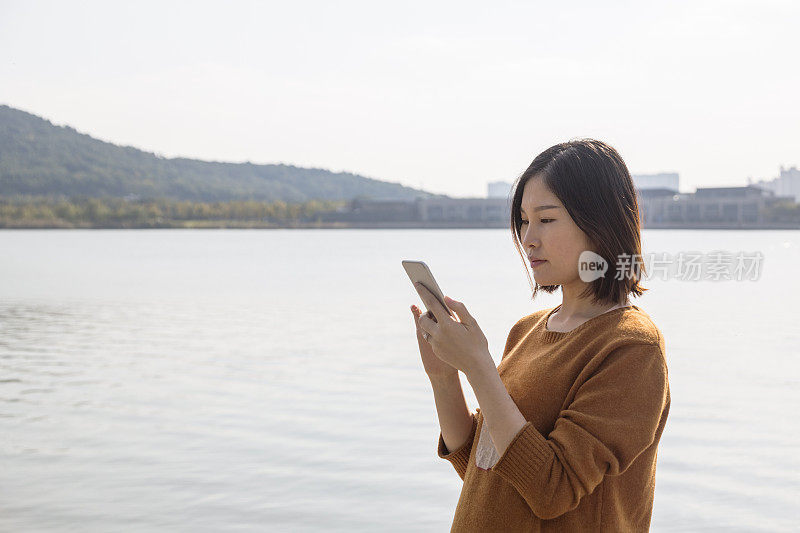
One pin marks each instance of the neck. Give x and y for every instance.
(572, 306)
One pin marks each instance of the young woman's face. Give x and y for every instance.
(549, 233)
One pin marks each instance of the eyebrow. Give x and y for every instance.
(540, 208)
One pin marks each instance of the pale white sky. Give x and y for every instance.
(443, 95)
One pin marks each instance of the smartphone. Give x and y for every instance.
(418, 272)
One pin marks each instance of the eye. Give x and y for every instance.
(524, 221)
(546, 220)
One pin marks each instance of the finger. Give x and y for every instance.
(428, 326)
(460, 309)
(418, 330)
(433, 305)
(416, 314)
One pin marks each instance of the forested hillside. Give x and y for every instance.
(38, 158)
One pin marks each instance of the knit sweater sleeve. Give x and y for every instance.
(460, 457)
(613, 418)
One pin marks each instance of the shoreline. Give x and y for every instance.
(257, 224)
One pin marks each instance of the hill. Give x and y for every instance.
(38, 158)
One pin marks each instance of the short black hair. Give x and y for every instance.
(592, 181)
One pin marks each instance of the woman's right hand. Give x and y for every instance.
(434, 367)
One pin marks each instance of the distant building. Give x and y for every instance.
(708, 206)
(498, 189)
(664, 180)
(473, 210)
(425, 212)
(787, 184)
(659, 207)
(372, 209)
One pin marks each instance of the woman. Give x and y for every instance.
(566, 435)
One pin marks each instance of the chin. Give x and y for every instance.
(545, 280)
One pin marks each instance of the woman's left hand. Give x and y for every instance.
(460, 343)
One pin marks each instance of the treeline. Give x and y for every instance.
(91, 212)
(86, 212)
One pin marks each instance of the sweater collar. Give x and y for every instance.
(554, 336)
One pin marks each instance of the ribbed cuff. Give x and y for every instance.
(460, 457)
(524, 456)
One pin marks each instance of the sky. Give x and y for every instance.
(445, 96)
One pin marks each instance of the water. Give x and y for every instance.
(248, 380)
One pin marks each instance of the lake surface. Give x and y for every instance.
(269, 380)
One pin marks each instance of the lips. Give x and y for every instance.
(537, 262)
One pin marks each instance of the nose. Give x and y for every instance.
(529, 240)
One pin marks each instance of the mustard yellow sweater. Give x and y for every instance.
(596, 400)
